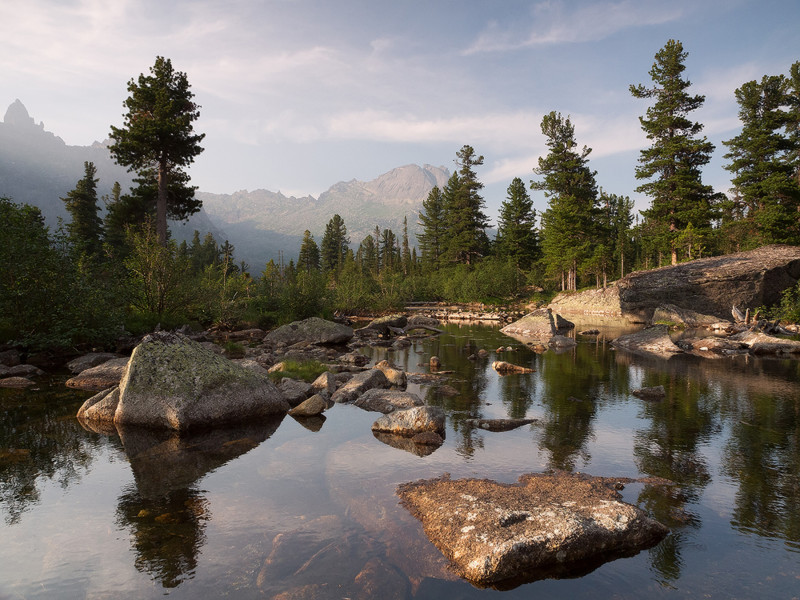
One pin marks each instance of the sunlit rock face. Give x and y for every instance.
(547, 525)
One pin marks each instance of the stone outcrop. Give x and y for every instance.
(497, 533)
(707, 286)
(87, 361)
(174, 383)
(313, 331)
(539, 324)
(411, 421)
(669, 313)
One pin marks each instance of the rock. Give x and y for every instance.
(589, 332)
(435, 364)
(447, 390)
(536, 324)
(382, 324)
(324, 383)
(279, 366)
(428, 438)
(483, 353)
(713, 346)
(651, 393)
(360, 383)
(422, 321)
(244, 335)
(395, 376)
(670, 313)
(87, 361)
(174, 383)
(253, 365)
(311, 407)
(411, 421)
(9, 358)
(15, 382)
(294, 390)
(561, 342)
(652, 340)
(379, 580)
(101, 377)
(506, 368)
(4, 370)
(761, 343)
(407, 444)
(101, 407)
(386, 401)
(313, 330)
(539, 527)
(354, 358)
(499, 424)
(25, 371)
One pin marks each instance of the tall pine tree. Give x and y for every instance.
(431, 239)
(464, 216)
(308, 260)
(569, 223)
(517, 238)
(674, 160)
(334, 244)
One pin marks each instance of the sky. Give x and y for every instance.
(297, 95)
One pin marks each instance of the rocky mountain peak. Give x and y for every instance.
(17, 116)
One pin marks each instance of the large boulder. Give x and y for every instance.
(540, 527)
(707, 286)
(669, 313)
(313, 331)
(174, 383)
(386, 401)
(538, 324)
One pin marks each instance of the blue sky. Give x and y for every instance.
(297, 95)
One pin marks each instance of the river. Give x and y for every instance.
(308, 510)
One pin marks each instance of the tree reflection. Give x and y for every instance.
(165, 512)
(40, 440)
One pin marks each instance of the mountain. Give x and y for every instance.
(38, 168)
(262, 223)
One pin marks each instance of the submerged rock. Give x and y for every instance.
(501, 534)
(651, 393)
(499, 424)
(505, 368)
(652, 340)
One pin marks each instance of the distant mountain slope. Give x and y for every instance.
(38, 168)
(263, 222)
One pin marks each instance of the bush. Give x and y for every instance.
(789, 307)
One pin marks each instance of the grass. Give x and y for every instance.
(295, 369)
(234, 350)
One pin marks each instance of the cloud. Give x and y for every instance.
(552, 23)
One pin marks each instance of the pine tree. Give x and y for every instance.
(406, 257)
(762, 158)
(309, 254)
(85, 230)
(367, 256)
(334, 244)
(464, 216)
(676, 155)
(387, 251)
(569, 223)
(517, 238)
(431, 219)
(157, 138)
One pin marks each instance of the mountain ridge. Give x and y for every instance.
(37, 167)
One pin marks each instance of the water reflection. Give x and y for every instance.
(39, 440)
(165, 510)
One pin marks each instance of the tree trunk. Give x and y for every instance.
(161, 204)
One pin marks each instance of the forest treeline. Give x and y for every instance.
(93, 278)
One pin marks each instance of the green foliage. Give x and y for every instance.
(49, 298)
(157, 139)
(465, 241)
(334, 244)
(674, 161)
(432, 220)
(789, 307)
(303, 370)
(517, 238)
(309, 258)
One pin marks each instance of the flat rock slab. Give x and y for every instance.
(499, 424)
(386, 401)
(537, 324)
(411, 421)
(101, 377)
(544, 526)
(87, 361)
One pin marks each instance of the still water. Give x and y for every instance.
(308, 510)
